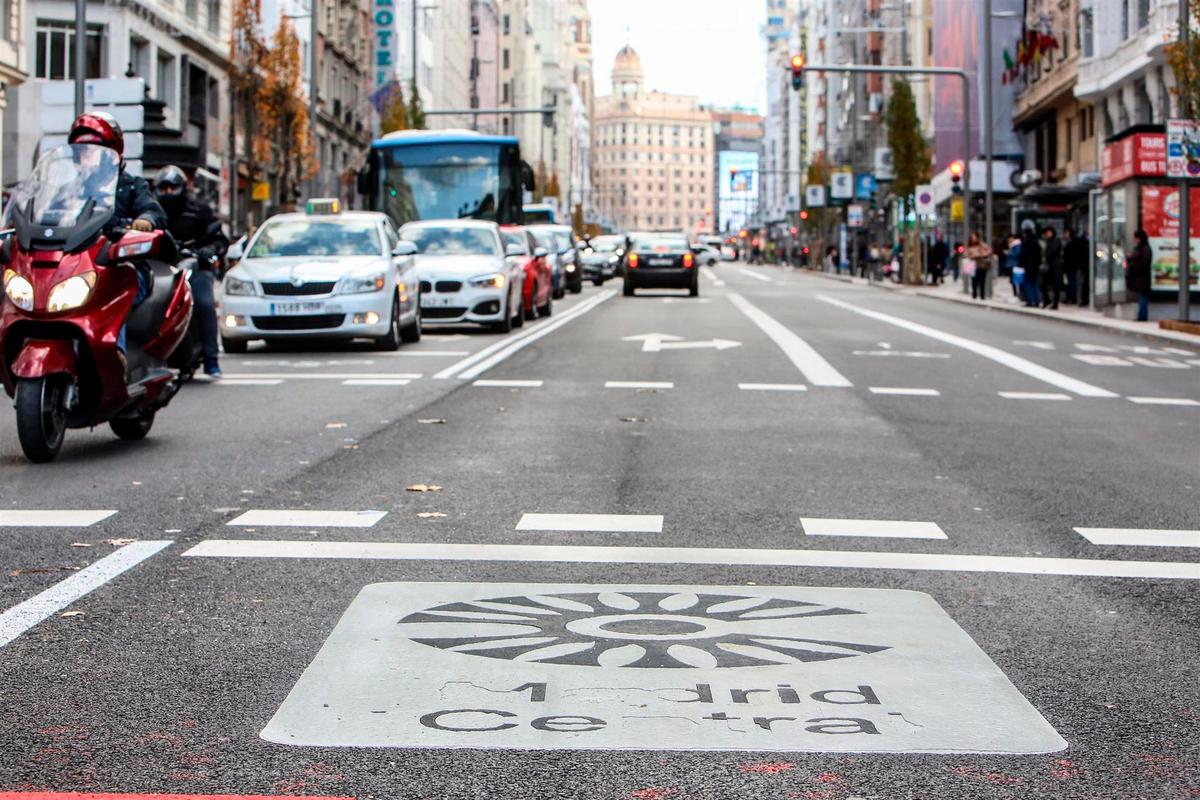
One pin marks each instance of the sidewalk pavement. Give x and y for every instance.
(1004, 301)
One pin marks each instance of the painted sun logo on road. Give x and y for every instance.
(653, 630)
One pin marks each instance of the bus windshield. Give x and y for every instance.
(451, 180)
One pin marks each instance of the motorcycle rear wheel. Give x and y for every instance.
(132, 429)
(41, 416)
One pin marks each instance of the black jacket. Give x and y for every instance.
(1075, 255)
(1137, 275)
(196, 227)
(136, 201)
(1054, 254)
(1031, 254)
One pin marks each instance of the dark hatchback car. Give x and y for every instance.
(660, 261)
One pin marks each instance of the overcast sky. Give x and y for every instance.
(700, 47)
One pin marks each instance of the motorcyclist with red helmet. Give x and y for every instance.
(134, 200)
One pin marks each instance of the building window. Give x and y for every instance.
(8, 25)
(54, 55)
(164, 78)
(214, 98)
(192, 9)
(507, 24)
(504, 58)
(1087, 33)
(1143, 17)
(214, 16)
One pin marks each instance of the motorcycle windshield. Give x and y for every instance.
(72, 185)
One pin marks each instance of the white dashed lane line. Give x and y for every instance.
(499, 384)
(306, 518)
(1141, 537)
(639, 385)
(875, 528)
(244, 382)
(1034, 396)
(772, 387)
(1164, 401)
(376, 382)
(52, 518)
(904, 392)
(579, 554)
(755, 275)
(602, 523)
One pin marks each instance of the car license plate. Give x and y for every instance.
(661, 262)
(429, 301)
(284, 309)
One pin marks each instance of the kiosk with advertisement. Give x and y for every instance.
(1137, 194)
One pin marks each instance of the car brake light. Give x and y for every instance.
(633, 260)
(688, 259)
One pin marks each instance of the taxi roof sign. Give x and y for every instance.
(323, 205)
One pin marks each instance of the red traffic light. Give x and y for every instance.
(961, 249)
(803, 215)
(805, 251)
(795, 230)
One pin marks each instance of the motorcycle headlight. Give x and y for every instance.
(18, 290)
(371, 283)
(237, 286)
(494, 281)
(71, 293)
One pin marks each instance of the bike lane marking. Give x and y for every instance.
(24, 615)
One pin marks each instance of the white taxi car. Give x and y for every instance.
(465, 274)
(322, 274)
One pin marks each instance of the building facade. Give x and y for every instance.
(13, 70)
(737, 153)
(652, 155)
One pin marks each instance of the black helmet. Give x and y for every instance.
(171, 187)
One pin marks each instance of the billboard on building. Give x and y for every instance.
(1161, 217)
(737, 198)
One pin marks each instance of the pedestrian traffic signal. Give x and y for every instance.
(798, 71)
(956, 175)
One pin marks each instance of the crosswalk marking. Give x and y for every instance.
(28, 613)
(1141, 537)
(1034, 396)
(876, 528)
(377, 382)
(305, 518)
(509, 384)
(576, 554)
(1164, 401)
(899, 390)
(638, 385)
(815, 368)
(50, 518)
(601, 523)
(1002, 357)
(772, 387)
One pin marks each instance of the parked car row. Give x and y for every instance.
(350, 275)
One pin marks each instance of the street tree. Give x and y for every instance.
(553, 190)
(1184, 58)
(284, 134)
(394, 115)
(910, 153)
(245, 55)
(577, 223)
(416, 109)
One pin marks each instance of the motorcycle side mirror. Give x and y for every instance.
(136, 245)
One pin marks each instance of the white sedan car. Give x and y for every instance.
(465, 274)
(324, 275)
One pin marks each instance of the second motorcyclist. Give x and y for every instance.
(195, 227)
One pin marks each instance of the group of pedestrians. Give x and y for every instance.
(1048, 270)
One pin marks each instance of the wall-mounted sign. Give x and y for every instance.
(383, 22)
(1142, 155)
(814, 196)
(1183, 148)
(841, 187)
(854, 215)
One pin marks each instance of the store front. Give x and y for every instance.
(1135, 194)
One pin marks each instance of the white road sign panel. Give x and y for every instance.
(841, 187)
(557, 667)
(814, 196)
(925, 200)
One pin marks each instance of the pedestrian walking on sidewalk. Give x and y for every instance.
(1053, 276)
(1031, 261)
(1137, 273)
(977, 258)
(939, 252)
(1075, 261)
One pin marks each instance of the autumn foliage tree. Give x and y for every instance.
(1184, 59)
(394, 113)
(284, 134)
(245, 53)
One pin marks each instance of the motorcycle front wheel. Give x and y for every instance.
(41, 416)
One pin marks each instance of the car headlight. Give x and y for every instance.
(18, 290)
(570, 267)
(493, 281)
(371, 283)
(237, 286)
(614, 260)
(71, 293)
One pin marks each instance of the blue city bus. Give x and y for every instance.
(448, 174)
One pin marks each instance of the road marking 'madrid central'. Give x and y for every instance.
(601, 523)
(564, 667)
(1022, 365)
(588, 554)
(306, 518)
(25, 615)
(818, 371)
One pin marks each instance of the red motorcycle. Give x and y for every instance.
(70, 282)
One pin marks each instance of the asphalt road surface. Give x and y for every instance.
(791, 539)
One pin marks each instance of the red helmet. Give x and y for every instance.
(98, 127)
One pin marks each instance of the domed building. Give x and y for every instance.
(652, 155)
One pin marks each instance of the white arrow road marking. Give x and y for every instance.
(818, 371)
(584, 554)
(1002, 357)
(25, 615)
(657, 342)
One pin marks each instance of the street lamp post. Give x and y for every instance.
(311, 16)
(1185, 204)
(80, 54)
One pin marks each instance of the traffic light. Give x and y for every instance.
(956, 176)
(795, 230)
(798, 71)
(804, 215)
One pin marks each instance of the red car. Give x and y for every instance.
(538, 288)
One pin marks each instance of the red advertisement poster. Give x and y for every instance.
(1160, 219)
